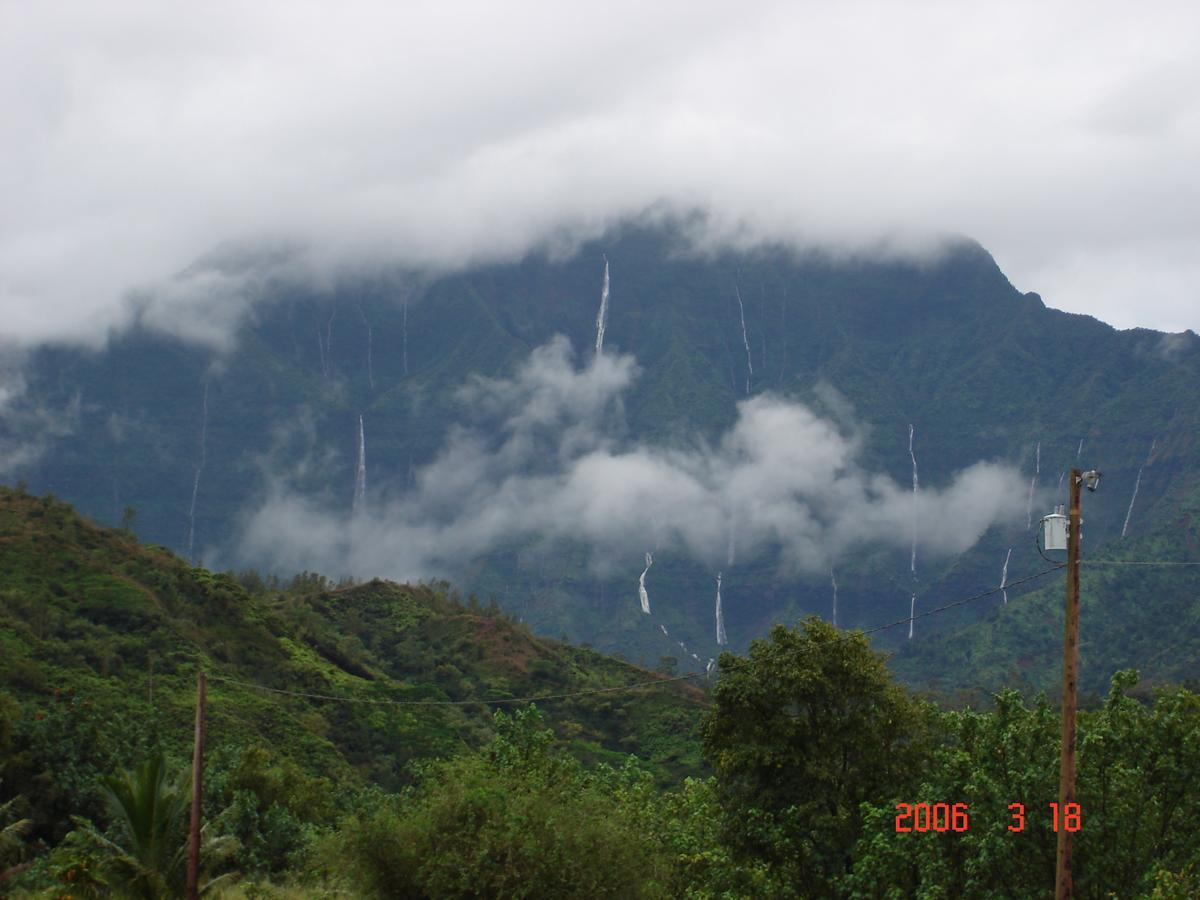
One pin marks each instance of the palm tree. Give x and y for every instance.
(12, 840)
(149, 810)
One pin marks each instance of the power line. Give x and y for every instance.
(1132, 562)
(966, 600)
(660, 681)
(591, 691)
(383, 702)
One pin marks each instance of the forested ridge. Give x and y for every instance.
(778, 777)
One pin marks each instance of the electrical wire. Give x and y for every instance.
(1037, 542)
(965, 600)
(1133, 562)
(592, 691)
(1110, 562)
(382, 702)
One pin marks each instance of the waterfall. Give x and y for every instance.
(663, 629)
(360, 471)
(912, 612)
(1037, 470)
(199, 468)
(602, 315)
(642, 595)
(1129, 512)
(370, 364)
(1004, 574)
(324, 344)
(833, 581)
(721, 638)
(912, 561)
(1136, 484)
(711, 662)
(329, 342)
(1063, 473)
(745, 338)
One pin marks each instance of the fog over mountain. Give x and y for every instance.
(548, 465)
(757, 412)
(599, 448)
(138, 138)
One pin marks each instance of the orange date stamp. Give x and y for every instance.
(944, 817)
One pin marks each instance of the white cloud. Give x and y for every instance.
(27, 426)
(543, 460)
(137, 136)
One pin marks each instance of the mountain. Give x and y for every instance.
(200, 440)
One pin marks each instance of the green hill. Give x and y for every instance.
(418, 790)
(101, 639)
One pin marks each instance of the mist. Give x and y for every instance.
(545, 455)
(138, 138)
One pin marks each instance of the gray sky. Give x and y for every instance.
(134, 137)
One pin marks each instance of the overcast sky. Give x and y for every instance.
(134, 137)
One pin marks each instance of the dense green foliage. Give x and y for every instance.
(805, 730)
(149, 809)
(101, 639)
(1137, 787)
(811, 746)
(514, 819)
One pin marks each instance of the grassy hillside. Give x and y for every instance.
(101, 639)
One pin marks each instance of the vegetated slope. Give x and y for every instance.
(89, 614)
(948, 345)
(1144, 616)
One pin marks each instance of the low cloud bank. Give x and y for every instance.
(547, 455)
(137, 137)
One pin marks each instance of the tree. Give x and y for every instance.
(145, 854)
(128, 519)
(804, 730)
(985, 762)
(13, 832)
(149, 808)
(516, 819)
(1139, 795)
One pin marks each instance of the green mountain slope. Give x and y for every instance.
(100, 640)
(948, 345)
(1144, 616)
(92, 621)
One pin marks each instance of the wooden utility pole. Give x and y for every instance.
(193, 865)
(1066, 773)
